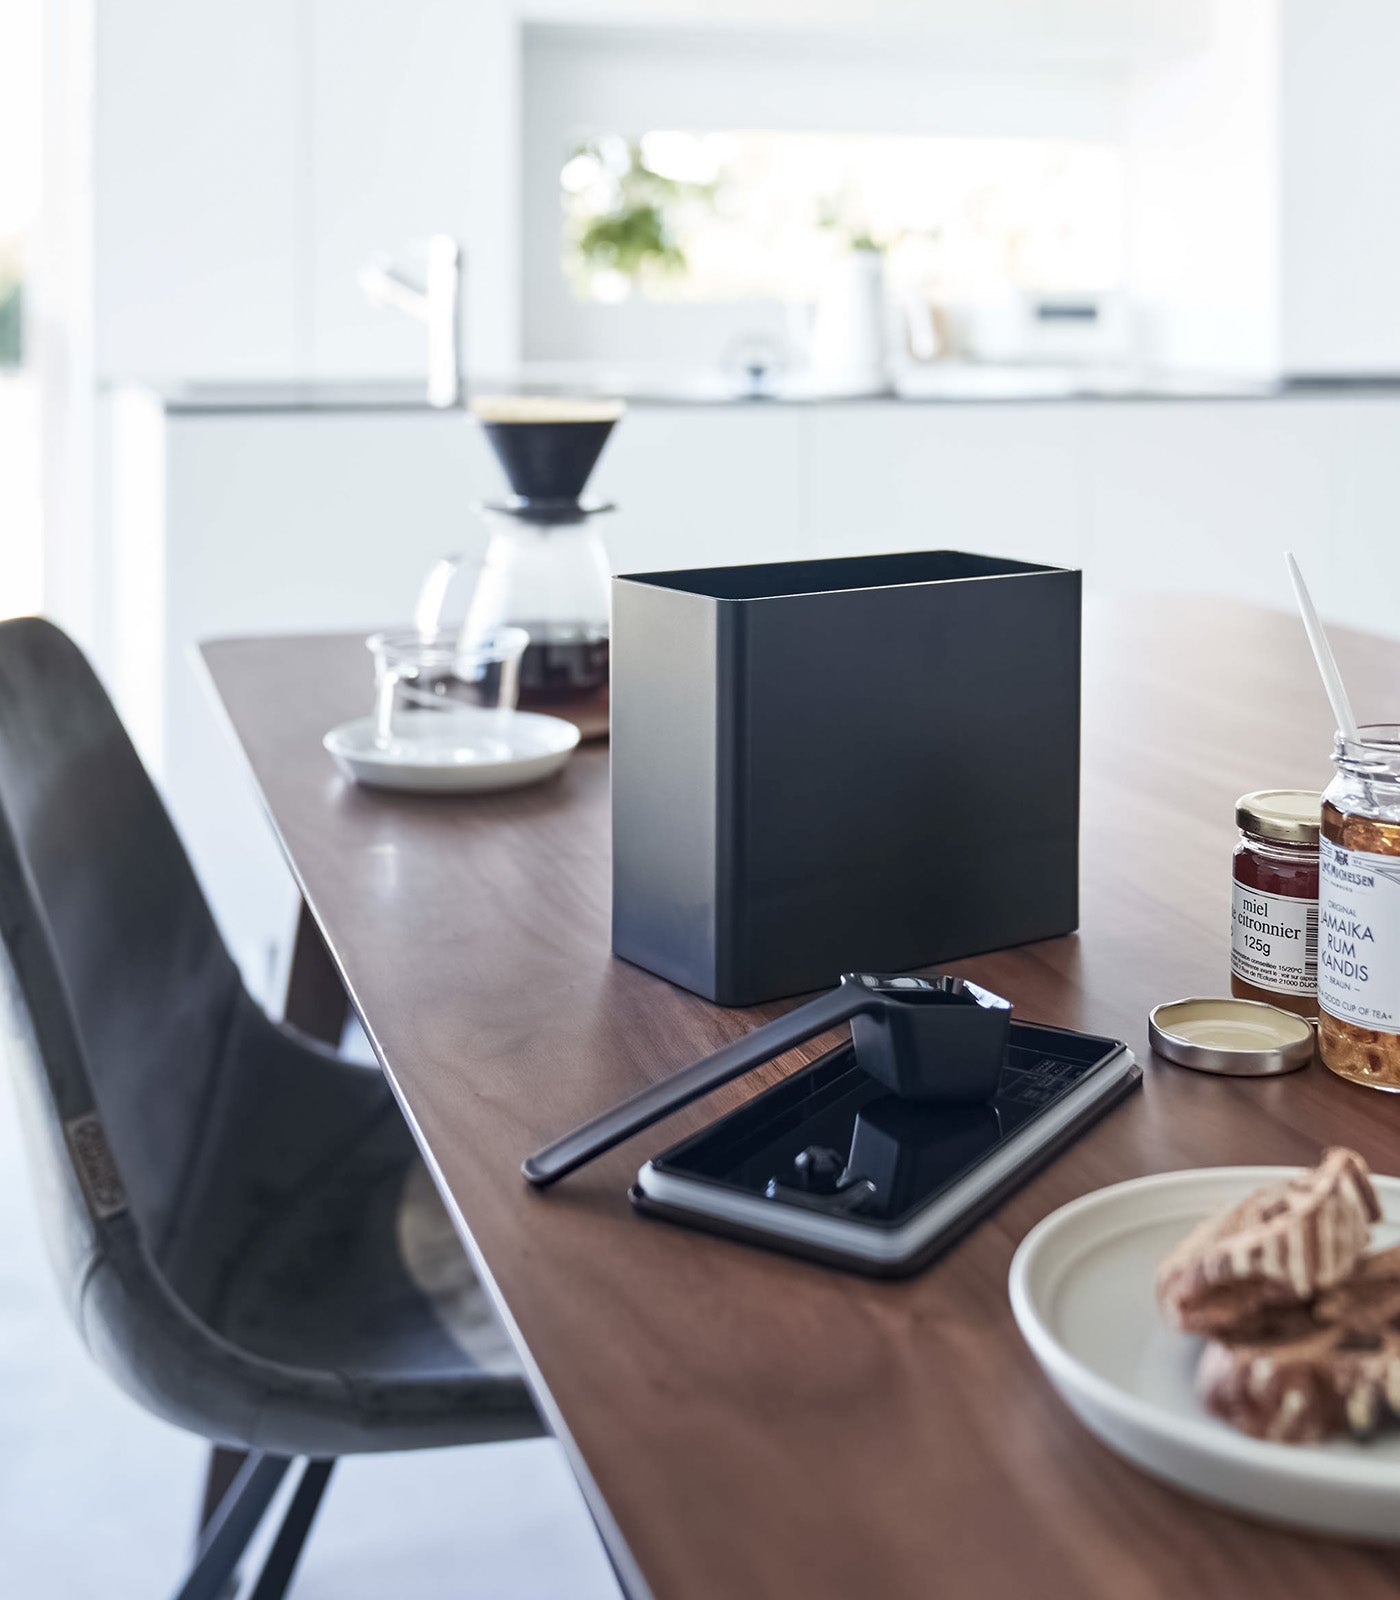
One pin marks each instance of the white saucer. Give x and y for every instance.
(469, 752)
(1082, 1294)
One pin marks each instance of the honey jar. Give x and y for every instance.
(1274, 911)
(1359, 910)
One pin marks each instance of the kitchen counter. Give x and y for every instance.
(936, 384)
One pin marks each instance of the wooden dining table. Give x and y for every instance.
(746, 1425)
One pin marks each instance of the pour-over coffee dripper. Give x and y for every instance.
(547, 447)
(938, 1041)
(545, 568)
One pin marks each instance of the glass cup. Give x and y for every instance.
(441, 694)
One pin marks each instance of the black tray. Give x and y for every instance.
(933, 1171)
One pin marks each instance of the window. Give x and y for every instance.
(676, 215)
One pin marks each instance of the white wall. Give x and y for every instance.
(1202, 182)
(59, 316)
(1339, 235)
(250, 155)
(996, 31)
(196, 188)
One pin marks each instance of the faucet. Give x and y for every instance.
(435, 300)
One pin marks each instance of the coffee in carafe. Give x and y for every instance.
(545, 568)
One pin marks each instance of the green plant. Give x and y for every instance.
(11, 324)
(837, 215)
(624, 219)
(630, 238)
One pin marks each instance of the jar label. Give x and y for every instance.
(1273, 941)
(1358, 975)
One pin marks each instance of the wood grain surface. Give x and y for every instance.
(748, 1425)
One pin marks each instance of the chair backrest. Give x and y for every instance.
(126, 990)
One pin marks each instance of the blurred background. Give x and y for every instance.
(1103, 283)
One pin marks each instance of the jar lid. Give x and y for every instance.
(1291, 816)
(1235, 1038)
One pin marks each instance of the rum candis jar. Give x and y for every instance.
(1358, 973)
(1273, 917)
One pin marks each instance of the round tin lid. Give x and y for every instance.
(1292, 816)
(1236, 1038)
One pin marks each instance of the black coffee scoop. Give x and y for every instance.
(941, 1041)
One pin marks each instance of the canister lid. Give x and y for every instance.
(1236, 1038)
(1292, 816)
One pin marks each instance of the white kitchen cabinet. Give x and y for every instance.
(1205, 497)
(1360, 439)
(262, 522)
(703, 486)
(245, 521)
(998, 479)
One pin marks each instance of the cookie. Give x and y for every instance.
(1276, 1249)
(1328, 1368)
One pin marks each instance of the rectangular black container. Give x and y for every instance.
(826, 766)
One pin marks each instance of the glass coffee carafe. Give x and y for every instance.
(545, 568)
(546, 571)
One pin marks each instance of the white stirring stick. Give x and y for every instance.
(1322, 653)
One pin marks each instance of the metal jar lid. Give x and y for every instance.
(1235, 1038)
(1290, 816)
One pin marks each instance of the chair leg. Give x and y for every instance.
(233, 1525)
(291, 1536)
(224, 1465)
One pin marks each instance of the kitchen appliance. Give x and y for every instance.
(1089, 328)
(830, 1163)
(819, 766)
(545, 569)
(847, 351)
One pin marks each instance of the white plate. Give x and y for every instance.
(1082, 1293)
(469, 753)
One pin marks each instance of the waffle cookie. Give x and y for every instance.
(1238, 1274)
(1329, 1368)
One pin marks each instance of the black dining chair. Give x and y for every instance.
(243, 1231)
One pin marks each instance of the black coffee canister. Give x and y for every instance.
(818, 766)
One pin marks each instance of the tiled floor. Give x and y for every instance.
(98, 1498)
